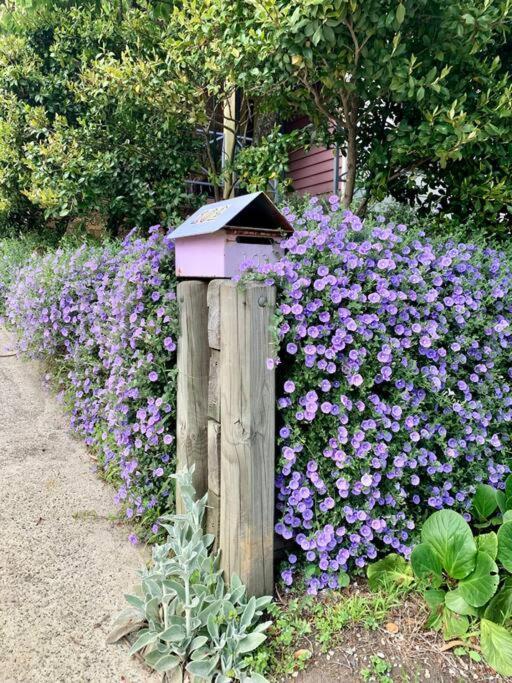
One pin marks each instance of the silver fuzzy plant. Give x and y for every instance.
(189, 624)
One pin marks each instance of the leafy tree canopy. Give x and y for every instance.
(417, 92)
(111, 106)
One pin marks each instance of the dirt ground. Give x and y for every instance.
(415, 655)
(64, 565)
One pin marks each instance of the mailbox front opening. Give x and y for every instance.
(243, 235)
(246, 239)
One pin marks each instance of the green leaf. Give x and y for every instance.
(499, 609)
(484, 502)
(343, 580)
(505, 545)
(255, 678)
(426, 564)
(310, 570)
(496, 644)
(201, 668)
(488, 543)
(213, 627)
(456, 603)
(502, 500)
(434, 597)
(393, 569)
(145, 638)
(435, 600)
(198, 642)
(248, 613)
(400, 13)
(479, 587)
(507, 517)
(251, 642)
(454, 625)
(173, 634)
(175, 587)
(508, 491)
(450, 537)
(165, 662)
(136, 602)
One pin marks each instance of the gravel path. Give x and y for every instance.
(64, 566)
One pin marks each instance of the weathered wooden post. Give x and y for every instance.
(226, 392)
(214, 415)
(192, 390)
(247, 405)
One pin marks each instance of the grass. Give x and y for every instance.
(379, 670)
(304, 624)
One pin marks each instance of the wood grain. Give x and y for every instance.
(192, 389)
(247, 390)
(214, 314)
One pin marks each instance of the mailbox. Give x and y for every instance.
(218, 238)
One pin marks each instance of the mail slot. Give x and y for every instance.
(218, 238)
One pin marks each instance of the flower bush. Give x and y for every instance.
(395, 390)
(104, 317)
(394, 377)
(14, 251)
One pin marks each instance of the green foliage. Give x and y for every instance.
(267, 162)
(183, 615)
(464, 577)
(392, 569)
(379, 670)
(485, 502)
(505, 545)
(110, 107)
(449, 538)
(76, 137)
(496, 644)
(305, 619)
(417, 93)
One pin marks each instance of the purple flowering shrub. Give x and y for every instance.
(105, 319)
(395, 385)
(14, 252)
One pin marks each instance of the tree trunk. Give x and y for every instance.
(350, 183)
(230, 131)
(361, 209)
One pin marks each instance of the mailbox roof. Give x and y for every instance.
(254, 210)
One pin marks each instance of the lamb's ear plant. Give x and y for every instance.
(187, 621)
(465, 578)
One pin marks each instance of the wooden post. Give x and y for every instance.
(247, 406)
(214, 417)
(192, 390)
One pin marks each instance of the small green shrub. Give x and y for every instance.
(465, 577)
(184, 615)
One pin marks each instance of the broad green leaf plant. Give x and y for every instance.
(187, 622)
(466, 578)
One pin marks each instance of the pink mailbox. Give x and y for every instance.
(218, 238)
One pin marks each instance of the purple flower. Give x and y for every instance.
(289, 386)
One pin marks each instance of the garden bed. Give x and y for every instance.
(381, 646)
